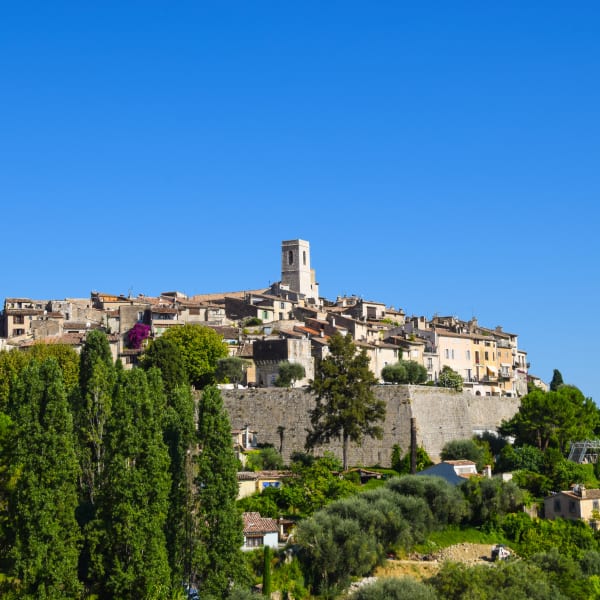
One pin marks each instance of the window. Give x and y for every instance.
(430, 363)
(571, 506)
(265, 314)
(596, 505)
(282, 305)
(557, 506)
(18, 332)
(140, 315)
(18, 320)
(290, 258)
(447, 353)
(468, 355)
(304, 257)
(254, 541)
(487, 355)
(452, 353)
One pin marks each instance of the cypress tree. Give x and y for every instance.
(129, 556)
(218, 556)
(91, 411)
(43, 503)
(557, 380)
(267, 572)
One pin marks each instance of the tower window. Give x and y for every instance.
(290, 257)
(304, 257)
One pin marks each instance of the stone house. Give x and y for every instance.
(259, 531)
(576, 504)
(268, 353)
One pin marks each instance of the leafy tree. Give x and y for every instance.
(67, 358)
(404, 371)
(10, 365)
(552, 419)
(403, 464)
(445, 501)
(312, 486)
(525, 457)
(289, 373)
(230, 370)
(218, 558)
(129, 554)
(166, 355)
(557, 380)
(449, 378)
(42, 504)
(464, 450)
(490, 499)
(201, 348)
(509, 580)
(332, 549)
(403, 588)
(346, 407)
(395, 373)
(264, 459)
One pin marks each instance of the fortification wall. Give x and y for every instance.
(441, 415)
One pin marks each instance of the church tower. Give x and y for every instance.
(296, 273)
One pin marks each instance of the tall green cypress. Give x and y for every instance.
(91, 409)
(129, 555)
(218, 558)
(42, 506)
(179, 435)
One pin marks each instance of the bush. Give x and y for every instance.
(395, 589)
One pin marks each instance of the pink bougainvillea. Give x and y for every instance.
(137, 334)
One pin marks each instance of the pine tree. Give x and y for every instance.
(218, 556)
(42, 507)
(346, 407)
(129, 556)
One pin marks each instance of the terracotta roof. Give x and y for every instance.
(254, 523)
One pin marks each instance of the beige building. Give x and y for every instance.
(576, 504)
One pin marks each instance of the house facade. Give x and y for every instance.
(577, 504)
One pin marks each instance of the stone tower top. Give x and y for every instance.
(295, 268)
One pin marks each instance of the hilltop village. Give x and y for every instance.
(287, 321)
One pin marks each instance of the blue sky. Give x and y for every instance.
(439, 157)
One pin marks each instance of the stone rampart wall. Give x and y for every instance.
(441, 415)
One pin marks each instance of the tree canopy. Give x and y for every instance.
(404, 371)
(289, 373)
(449, 378)
(553, 419)
(345, 405)
(201, 348)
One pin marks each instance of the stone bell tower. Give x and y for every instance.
(295, 269)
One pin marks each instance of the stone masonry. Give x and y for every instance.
(441, 415)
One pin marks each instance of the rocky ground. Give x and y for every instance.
(424, 566)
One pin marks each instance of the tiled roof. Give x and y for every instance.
(254, 523)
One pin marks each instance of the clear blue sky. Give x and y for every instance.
(440, 157)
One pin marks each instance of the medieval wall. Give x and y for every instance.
(281, 417)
